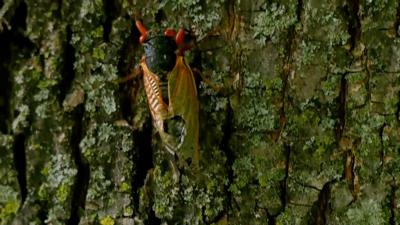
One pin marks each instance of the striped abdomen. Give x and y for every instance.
(158, 107)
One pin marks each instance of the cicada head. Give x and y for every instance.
(161, 49)
(160, 53)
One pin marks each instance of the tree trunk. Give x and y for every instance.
(303, 130)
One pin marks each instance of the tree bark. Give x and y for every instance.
(303, 130)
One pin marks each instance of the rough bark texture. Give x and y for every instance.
(305, 129)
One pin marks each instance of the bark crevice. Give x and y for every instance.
(230, 157)
(5, 83)
(354, 29)
(20, 164)
(320, 208)
(342, 106)
(287, 65)
(354, 22)
(14, 45)
(352, 12)
(349, 174)
(110, 13)
(143, 159)
(393, 202)
(397, 21)
(398, 109)
(67, 71)
(287, 69)
(284, 182)
(81, 183)
(382, 155)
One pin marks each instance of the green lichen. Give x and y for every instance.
(256, 111)
(243, 169)
(379, 13)
(108, 220)
(199, 16)
(291, 215)
(164, 204)
(9, 192)
(124, 187)
(99, 54)
(309, 53)
(325, 22)
(97, 33)
(367, 212)
(275, 19)
(100, 95)
(63, 193)
(196, 199)
(101, 185)
(8, 210)
(60, 174)
(202, 16)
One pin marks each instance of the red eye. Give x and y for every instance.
(180, 36)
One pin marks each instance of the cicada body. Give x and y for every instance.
(171, 92)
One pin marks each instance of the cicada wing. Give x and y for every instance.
(183, 102)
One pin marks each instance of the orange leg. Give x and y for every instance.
(170, 33)
(143, 31)
(132, 75)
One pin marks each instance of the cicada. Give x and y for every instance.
(171, 91)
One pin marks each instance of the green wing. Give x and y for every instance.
(183, 102)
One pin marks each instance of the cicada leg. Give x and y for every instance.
(137, 72)
(173, 133)
(171, 146)
(176, 174)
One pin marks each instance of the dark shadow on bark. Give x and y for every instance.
(397, 22)
(354, 29)
(284, 183)
(321, 208)
(5, 83)
(14, 44)
(111, 11)
(354, 22)
(126, 64)
(81, 184)
(398, 109)
(382, 147)
(393, 202)
(20, 164)
(230, 158)
(67, 72)
(143, 159)
(341, 101)
(143, 162)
